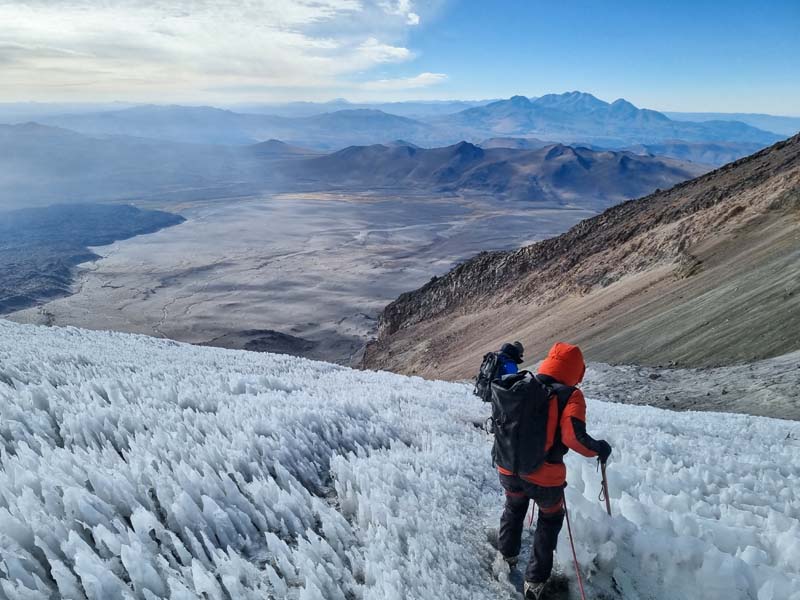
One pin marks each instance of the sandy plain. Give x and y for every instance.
(304, 274)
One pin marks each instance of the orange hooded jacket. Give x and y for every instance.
(564, 364)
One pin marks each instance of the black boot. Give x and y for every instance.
(534, 591)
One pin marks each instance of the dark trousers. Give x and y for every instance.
(519, 493)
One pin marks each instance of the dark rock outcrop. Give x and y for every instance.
(40, 247)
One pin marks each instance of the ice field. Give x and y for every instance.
(137, 468)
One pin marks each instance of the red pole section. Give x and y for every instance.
(574, 554)
(605, 488)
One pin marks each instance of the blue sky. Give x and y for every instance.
(677, 55)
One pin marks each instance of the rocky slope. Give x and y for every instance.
(705, 273)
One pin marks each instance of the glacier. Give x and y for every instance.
(138, 468)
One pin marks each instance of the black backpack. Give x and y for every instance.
(520, 412)
(486, 375)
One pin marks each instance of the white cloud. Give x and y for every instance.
(54, 49)
(404, 83)
(401, 8)
(374, 52)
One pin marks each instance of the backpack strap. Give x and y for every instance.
(563, 392)
(559, 389)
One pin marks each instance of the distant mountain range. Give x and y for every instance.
(580, 117)
(414, 110)
(207, 125)
(713, 154)
(44, 165)
(187, 124)
(515, 142)
(23, 112)
(272, 148)
(784, 126)
(573, 117)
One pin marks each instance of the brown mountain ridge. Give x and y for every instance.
(554, 174)
(705, 273)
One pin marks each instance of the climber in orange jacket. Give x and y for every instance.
(561, 371)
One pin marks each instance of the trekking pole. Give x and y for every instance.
(604, 490)
(572, 544)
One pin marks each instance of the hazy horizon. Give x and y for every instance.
(121, 104)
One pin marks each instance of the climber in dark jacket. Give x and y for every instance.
(510, 356)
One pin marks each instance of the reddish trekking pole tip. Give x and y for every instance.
(572, 545)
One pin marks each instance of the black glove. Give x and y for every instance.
(603, 450)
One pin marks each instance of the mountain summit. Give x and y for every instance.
(574, 102)
(581, 117)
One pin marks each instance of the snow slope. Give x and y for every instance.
(139, 468)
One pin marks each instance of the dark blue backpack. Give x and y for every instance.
(490, 368)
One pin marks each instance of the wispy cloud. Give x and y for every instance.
(148, 48)
(402, 8)
(405, 83)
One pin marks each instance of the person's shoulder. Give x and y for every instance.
(575, 405)
(576, 395)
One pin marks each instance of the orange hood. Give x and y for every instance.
(564, 363)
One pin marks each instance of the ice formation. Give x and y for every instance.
(136, 468)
